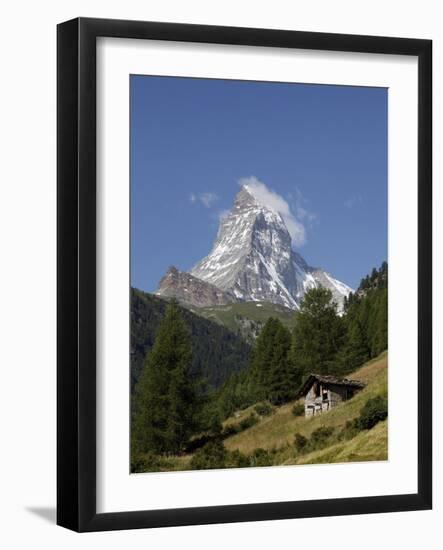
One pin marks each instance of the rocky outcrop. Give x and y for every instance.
(192, 291)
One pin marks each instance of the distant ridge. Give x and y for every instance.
(190, 290)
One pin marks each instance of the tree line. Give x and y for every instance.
(171, 405)
(322, 341)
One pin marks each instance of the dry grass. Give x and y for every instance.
(278, 430)
(367, 445)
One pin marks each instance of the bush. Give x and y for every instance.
(229, 430)
(215, 425)
(264, 409)
(374, 411)
(212, 455)
(236, 459)
(298, 409)
(320, 437)
(260, 457)
(146, 463)
(198, 442)
(233, 429)
(248, 422)
(300, 442)
(350, 430)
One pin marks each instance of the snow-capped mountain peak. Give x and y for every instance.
(253, 259)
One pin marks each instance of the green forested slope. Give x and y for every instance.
(216, 351)
(247, 318)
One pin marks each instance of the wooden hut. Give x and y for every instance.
(323, 392)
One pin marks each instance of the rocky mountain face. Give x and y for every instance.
(252, 260)
(191, 290)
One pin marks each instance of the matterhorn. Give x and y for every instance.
(252, 259)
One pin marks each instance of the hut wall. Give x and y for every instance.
(337, 394)
(322, 397)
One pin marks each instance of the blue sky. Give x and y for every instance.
(323, 149)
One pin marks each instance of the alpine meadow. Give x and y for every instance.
(243, 353)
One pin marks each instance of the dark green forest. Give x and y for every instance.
(216, 351)
(166, 398)
(190, 374)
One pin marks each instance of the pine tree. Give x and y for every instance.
(355, 351)
(367, 321)
(281, 380)
(383, 275)
(165, 398)
(380, 331)
(274, 376)
(318, 333)
(262, 356)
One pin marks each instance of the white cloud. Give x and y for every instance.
(301, 211)
(271, 199)
(355, 200)
(207, 199)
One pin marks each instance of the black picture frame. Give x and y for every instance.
(76, 266)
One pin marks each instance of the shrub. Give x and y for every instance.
(349, 430)
(212, 455)
(215, 425)
(236, 459)
(145, 463)
(229, 430)
(248, 422)
(300, 442)
(264, 409)
(320, 437)
(198, 442)
(298, 409)
(375, 410)
(260, 457)
(233, 429)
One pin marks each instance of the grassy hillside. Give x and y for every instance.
(271, 440)
(367, 445)
(247, 318)
(278, 430)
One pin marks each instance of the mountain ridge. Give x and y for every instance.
(191, 290)
(251, 260)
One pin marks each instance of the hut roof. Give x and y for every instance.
(329, 380)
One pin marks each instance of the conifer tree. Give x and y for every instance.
(366, 321)
(281, 384)
(165, 397)
(262, 357)
(380, 330)
(318, 333)
(355, 351)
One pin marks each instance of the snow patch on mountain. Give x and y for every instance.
(252, 257)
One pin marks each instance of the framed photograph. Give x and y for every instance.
(244, 274)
